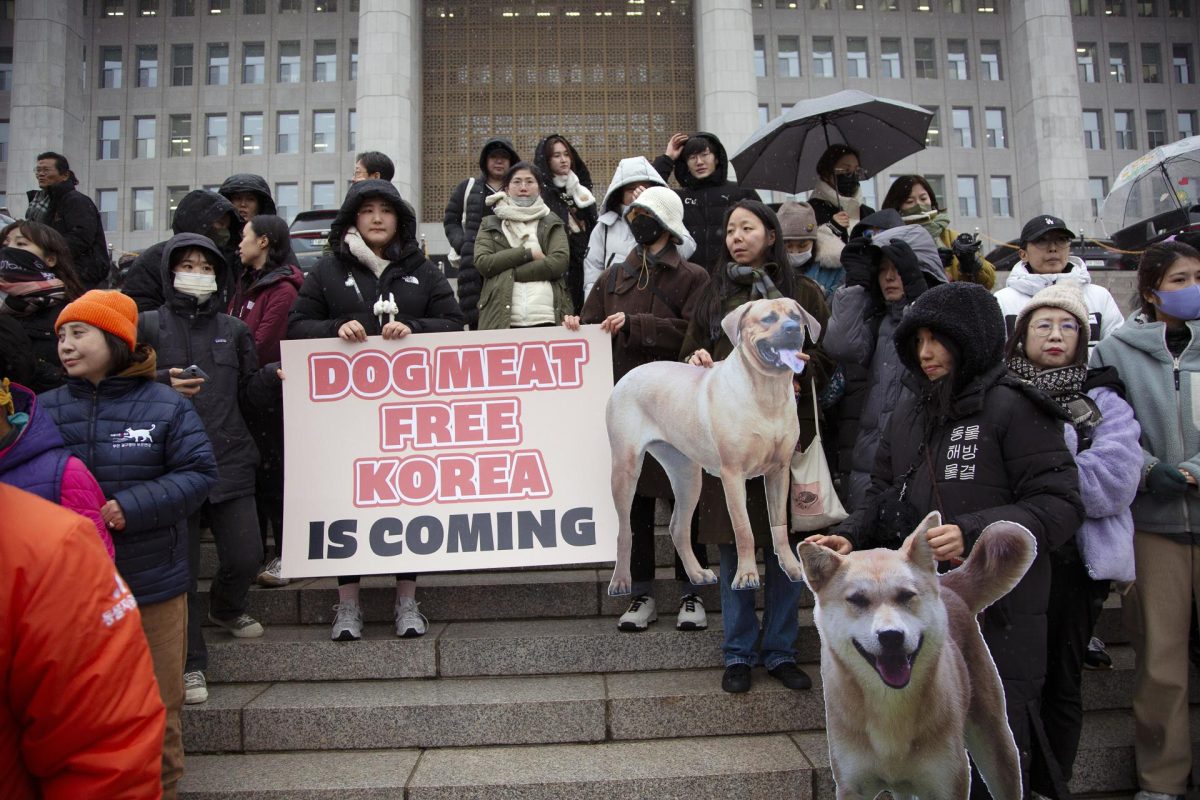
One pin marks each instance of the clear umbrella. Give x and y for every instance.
(1165, 179)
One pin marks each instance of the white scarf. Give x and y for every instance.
(578, 192)
(851, 205)
(518, 223)
(363, 252)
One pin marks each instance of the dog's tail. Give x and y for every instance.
(998, 561)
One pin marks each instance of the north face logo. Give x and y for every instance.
(133, 437)
(1049, 221)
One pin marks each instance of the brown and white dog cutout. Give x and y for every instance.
(910, 687)
(735, 419)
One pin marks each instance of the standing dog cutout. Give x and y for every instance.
(910, 687)
(736, 420)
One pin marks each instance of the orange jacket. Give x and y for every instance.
(80, 715)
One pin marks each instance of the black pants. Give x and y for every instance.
(344, 580)
(239, 554)
(641, 553)
(267, 429)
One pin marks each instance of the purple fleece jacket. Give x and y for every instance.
(1109, 472)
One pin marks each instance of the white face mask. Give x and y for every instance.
(798, 260)
(523, 202)
(196, 284)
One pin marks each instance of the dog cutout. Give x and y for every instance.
(139, 434)
(910, 687)
(736, 420)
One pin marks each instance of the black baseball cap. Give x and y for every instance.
(1042, 224)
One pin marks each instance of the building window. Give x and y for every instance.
(922, 5)
(110, 68)
(181, 65)
(289, 6)
(996, 130)
(1124, 135)
(933, 135)
(960, 120)
(764, 115)
(147, 8)
(1114, 8)
(968, 196)
(110, 139)
(925, 55)
(254, 7)
(324, 195)
(856, 57)
(143, 209)
(147, 66)
(218, 7)
(287, 201)
(1151, 63)
(760, 56)
(254, 62)
(252, 134)
(1001, 196)
(6, 69)
(985, 6)
(175, 195)
(216, 135)
(1085, 61)
(352, 130)
(144, 134)
(3, 141)
(324, 132)
(324, 61)
(789, 57)
(1147, 8)
(183, 8)
(353, 70)
(868, 193)
(287, 128)
(218, 64)
(938, 184)
(989, 60)
(1118, 62)
(1179, 8)
(1097, 191)
(887, 5)
(1156, 128)
(114, 8)
(325, 6)
(823, 56)
(289, 62)
(1181, 63)
(891, 59)
(956, 59)
(1187, 123)
(181, 135)
(952, 6)
(106, 204)
(1093, 130)
(1081, 8)
(820, 5)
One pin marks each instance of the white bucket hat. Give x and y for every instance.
(666, 207)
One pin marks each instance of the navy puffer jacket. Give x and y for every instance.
(148, 450)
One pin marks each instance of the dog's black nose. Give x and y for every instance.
(890, 640)
(790, 326)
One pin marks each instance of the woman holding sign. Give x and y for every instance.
(522, 252)
(376, 282)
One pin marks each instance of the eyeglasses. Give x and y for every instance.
(1045, 328)
(859, 173)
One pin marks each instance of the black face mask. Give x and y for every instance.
(846, 185)
(646, 230)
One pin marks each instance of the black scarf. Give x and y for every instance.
(756, 277)
(1064, 385)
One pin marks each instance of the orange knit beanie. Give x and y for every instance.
(107, 310)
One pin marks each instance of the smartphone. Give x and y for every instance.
(194, 372)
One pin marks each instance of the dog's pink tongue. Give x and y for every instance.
(793, 360)
(895, 670)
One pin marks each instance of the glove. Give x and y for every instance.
(1165, 479)
(966, 249)
(905, 261)
(947, 257)
(861, 262)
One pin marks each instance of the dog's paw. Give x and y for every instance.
(619, 586)
(746, 580)
(704, 577)
(791, 567)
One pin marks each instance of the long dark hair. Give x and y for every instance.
(279, 243)
(122, 357)
(1155, 262)
(938, 397)
(709, 309)
(52, 243)
(830, 157)
(901, 188)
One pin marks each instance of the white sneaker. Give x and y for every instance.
(640, 614)
(691, 614)
(242, 626)
(195, 688)
(270, 576)
(347, 625)
(409, 621)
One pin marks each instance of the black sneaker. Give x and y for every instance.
(791, 676)
(1096, 657)
(736, 679)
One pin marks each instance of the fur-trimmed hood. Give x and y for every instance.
(964, 313)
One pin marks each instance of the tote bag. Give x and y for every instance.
(814, 503)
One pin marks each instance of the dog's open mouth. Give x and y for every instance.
(895, 666)
(776, 357)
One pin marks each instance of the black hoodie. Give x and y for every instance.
(340, 288)
(249, 182)
(562, 204)
(196, 213)
(461, 227)
(705, 200)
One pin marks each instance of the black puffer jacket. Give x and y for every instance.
(340, 288)
(249, 182)
(197, 212)
(185, 332)
(74, 215)
(562, 203)
(705, 201)
(461, 228)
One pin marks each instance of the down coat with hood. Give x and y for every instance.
(1023, 284)
(706, 200)
(197, 212)
(185, 332)
(461, 223)
(562, 204)
(999, 454)
(340, 288)
(611, 240)
(860, 333)
(249, 182)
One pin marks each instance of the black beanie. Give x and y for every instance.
(967, 316)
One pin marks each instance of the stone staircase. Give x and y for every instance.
(524, 688)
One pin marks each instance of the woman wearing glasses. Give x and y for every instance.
(1048, 349)
(837, 197)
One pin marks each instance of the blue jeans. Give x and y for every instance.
(780, 622)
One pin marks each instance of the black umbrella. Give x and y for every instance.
(782, 155)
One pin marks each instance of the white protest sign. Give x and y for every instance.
(454, 451)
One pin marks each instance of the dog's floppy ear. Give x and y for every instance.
(732, 323)
(820, 564)
(808, 320)
(916, 547)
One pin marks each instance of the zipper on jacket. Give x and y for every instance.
(92, 426)
(1187, 521)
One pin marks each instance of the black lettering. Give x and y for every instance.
(425, 535)
(529, 526)
(383, 528)
(316, 540)
(470, 532)
(504, 530)
(342, 543)
(577, 527)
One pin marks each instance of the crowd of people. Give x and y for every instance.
(154, 410)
